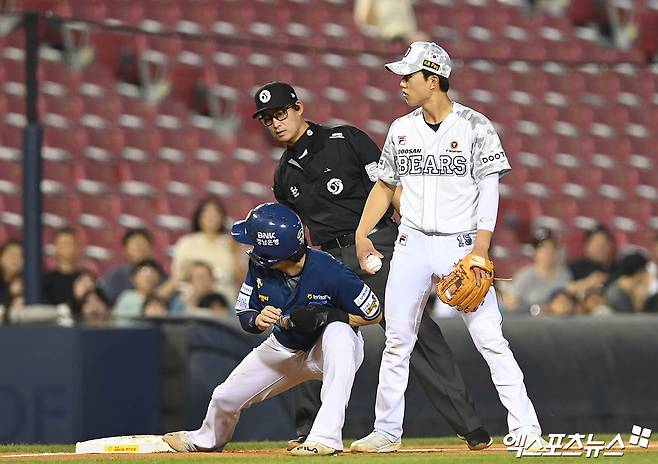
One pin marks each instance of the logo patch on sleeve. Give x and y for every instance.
(370, 306)
(246, 289)
(365, 291)
(242, 302)
(371, 170)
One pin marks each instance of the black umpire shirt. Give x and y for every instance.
(326, 177)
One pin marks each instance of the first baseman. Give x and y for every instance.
(448, 159)
(315, 305)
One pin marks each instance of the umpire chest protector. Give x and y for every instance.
(326, 177)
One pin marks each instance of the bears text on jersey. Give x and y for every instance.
(441, 165)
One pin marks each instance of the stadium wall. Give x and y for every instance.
(587, 375)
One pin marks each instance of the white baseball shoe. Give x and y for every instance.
(313, 448)
(180, 442)
(376, 442)
(295, 442)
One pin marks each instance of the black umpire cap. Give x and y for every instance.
(273, 96)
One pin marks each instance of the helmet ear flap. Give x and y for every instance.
(299, 254)
(259, 260)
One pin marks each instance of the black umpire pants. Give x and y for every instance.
(432, 361)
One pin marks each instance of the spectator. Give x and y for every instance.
(209, 242)
(599, 255)
(390, 20)
(217, 304)
(154, 306)
(628, 292)
(137, 246)
(58, 283)
(145, 277)
(92, 308)
(84, 283)
(536, 282)
(561, 302)
(200, 283)
(653, 268)
(11, 265)
(16, 290)
(593, 302)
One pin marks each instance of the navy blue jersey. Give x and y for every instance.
(323, 281)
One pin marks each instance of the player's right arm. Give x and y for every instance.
(254, 318)
(379, 200)
(396, 198)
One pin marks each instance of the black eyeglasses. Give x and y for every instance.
(279, 115)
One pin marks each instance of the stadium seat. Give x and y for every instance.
(125, 11)
(579, 137)
(140, 206)
(196, 16)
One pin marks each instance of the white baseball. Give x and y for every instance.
(373, 263)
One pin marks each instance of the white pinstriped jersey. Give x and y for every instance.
(439, 171)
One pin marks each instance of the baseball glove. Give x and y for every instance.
(309, 318)
(459, 289)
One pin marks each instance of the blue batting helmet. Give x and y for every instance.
(274, 230)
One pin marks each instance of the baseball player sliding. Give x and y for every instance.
(448, 159)
(315, 305)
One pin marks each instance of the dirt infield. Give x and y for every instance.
(261, 453)
(409, 451)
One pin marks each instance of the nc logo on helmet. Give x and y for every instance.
(300, 236)
(335, 186)
(265, 96)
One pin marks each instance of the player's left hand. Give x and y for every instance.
(481, 273)
(467, 284)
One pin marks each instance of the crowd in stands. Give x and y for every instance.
(207, 266)
(206, 269)
(601, 281)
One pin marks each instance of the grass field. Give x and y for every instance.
(421, 450)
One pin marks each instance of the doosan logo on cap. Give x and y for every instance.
(422, 55)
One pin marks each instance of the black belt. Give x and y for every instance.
(346, 240)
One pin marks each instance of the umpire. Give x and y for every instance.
(325, 175)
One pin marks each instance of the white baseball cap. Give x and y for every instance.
(422, 55)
